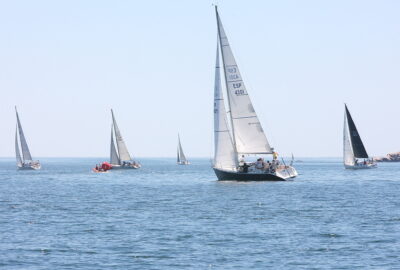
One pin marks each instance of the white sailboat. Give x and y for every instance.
(181, 158)
(245, 135)
(24, 161)
(354, 154)
(120, 159)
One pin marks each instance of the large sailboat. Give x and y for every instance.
(244, 135)
(180, 156)
(354, 154)
(120, 159)
(24, 161)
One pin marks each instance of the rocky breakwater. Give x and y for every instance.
(392, 157)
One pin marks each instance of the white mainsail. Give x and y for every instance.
(17, 152)
(24, 146)
(224, 153)
(181, 155)
(114, 159)
(122, 149)
(348, 155)
(248, 134)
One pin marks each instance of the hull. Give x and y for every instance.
(130, 167)
(361, 166)
(183, 163)
(98, 171)
(223, 175)
(27, 167)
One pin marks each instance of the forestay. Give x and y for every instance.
(122, 149)
(248, 134)
(224, 153)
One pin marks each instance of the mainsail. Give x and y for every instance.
(348, 156)
(17, 152)
(224, 153)
(122, 149)
(248, 134)
(355, 139)
(24, 146)
(181, 156)
(114, 159)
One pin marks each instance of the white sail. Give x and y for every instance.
(122, 149)
(181, 155)
(224, 153)
(114, 159)
(248, 135)
(17, 152)
(348, 155)
(24, 146)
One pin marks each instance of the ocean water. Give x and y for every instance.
(166, 216)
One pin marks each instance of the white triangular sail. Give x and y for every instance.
(224, 153)
(114, 159)
(122, 149)
(24, 146)
(17, 152)
(248, 135)
(181, 156)
(348, 155)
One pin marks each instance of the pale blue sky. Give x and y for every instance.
(66, 63)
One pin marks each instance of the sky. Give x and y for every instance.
(65, 64)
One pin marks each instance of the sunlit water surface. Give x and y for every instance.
(166, 216)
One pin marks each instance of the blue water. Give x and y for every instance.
(165, 216)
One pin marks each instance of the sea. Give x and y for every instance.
(166, 216)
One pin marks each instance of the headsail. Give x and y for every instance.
(248, 134)
(355, 139)
(114, 159)
(348, 156)
(17, 152)
(24, 146)
(181, 155)
(122, 149)
(224, 153)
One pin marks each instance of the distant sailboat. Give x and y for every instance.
(120, 159)
(181, 158)
(245, 134)
(24, 162)
(353, 147)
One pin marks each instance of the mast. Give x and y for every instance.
(122, 149)
(225, 156)
(226, 83)
(181, 155)
(24, 146)
(114, 158)
(17, 152)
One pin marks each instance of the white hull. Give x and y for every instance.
(126, 167)
(361, 166)
(24, 167)
(183, 163)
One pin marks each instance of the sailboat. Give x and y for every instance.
(120, 159)
(24, 161)
(244, 135)
(181, 158)
(354, 154)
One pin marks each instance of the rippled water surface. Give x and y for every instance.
(166, 216)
